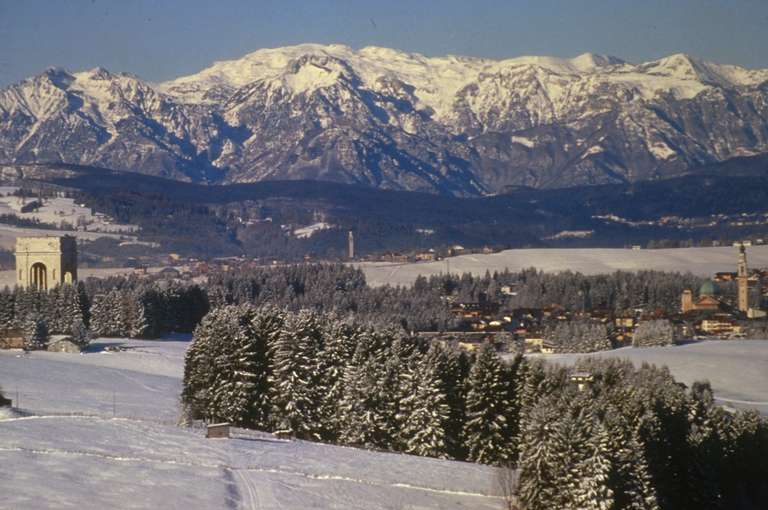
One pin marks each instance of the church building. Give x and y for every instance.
(748, 291)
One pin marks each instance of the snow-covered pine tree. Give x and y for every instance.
(331, 363)
(199, 365)
(453, 366)
(80, 334)
(84, 302)
(591, 478)
(487, 431)
(225, 367)
(514, 383)
(555, 443)
(266, 324)
(540, 481)
(365, 415)
(6, 309)
(36, 337)
(656, 332)
(240, 363)
(26, 306)
(135, 315)
(51, 309)
(70, 309)
(428, 414)
(297, 395)
(631, 481)
(100, 315)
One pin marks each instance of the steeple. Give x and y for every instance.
(742, 268)
(742, 280)
(351, 245)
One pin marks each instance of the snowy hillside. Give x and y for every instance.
(140, 459)
(735, 368)
(699, 261)
(396, 120)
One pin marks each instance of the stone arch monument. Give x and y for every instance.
(45, 262)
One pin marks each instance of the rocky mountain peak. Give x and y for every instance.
(393, 119)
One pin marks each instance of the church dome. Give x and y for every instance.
(707, 289)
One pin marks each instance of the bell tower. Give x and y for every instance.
(351, 245)
(742, 279)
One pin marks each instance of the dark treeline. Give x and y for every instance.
(633, 438)
(331, 288)
(618, 291)
(60, 309)
(340, 288)
(17, 221)
(114, 307)
(119, 306)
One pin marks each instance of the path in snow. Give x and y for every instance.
(141, 460)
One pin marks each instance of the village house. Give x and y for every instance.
(722, 325)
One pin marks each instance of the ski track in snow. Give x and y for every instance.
(253, 496)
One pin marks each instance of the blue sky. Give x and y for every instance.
(162, 39)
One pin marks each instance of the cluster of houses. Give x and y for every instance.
(724, 307)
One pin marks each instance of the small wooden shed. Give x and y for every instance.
(217, 430)
(11, 338)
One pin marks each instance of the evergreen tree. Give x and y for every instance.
(428, 414)
(80, 334)
(36, 337)
(297, 393)
(590, 487)
(337, 336)
(6, 309)
(487, 430)
(367, 407)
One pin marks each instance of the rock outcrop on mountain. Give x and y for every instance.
(388, 119)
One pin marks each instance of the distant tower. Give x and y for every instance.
(687, 301)
(44, 262)
(742, 279)
(351, 245)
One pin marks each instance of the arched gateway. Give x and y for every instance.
(45, 262)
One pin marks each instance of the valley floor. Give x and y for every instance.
(102, 434)
(700, 261)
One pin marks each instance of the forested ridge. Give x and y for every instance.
(204, 221)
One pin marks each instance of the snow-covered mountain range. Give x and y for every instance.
(385, 118)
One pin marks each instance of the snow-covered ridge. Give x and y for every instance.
(438, 79)
(396, 120)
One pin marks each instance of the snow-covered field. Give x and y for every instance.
(121, 449)
(736, 369)
(8, 278)
(700, 261)
(58, 209)
(9, 233)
